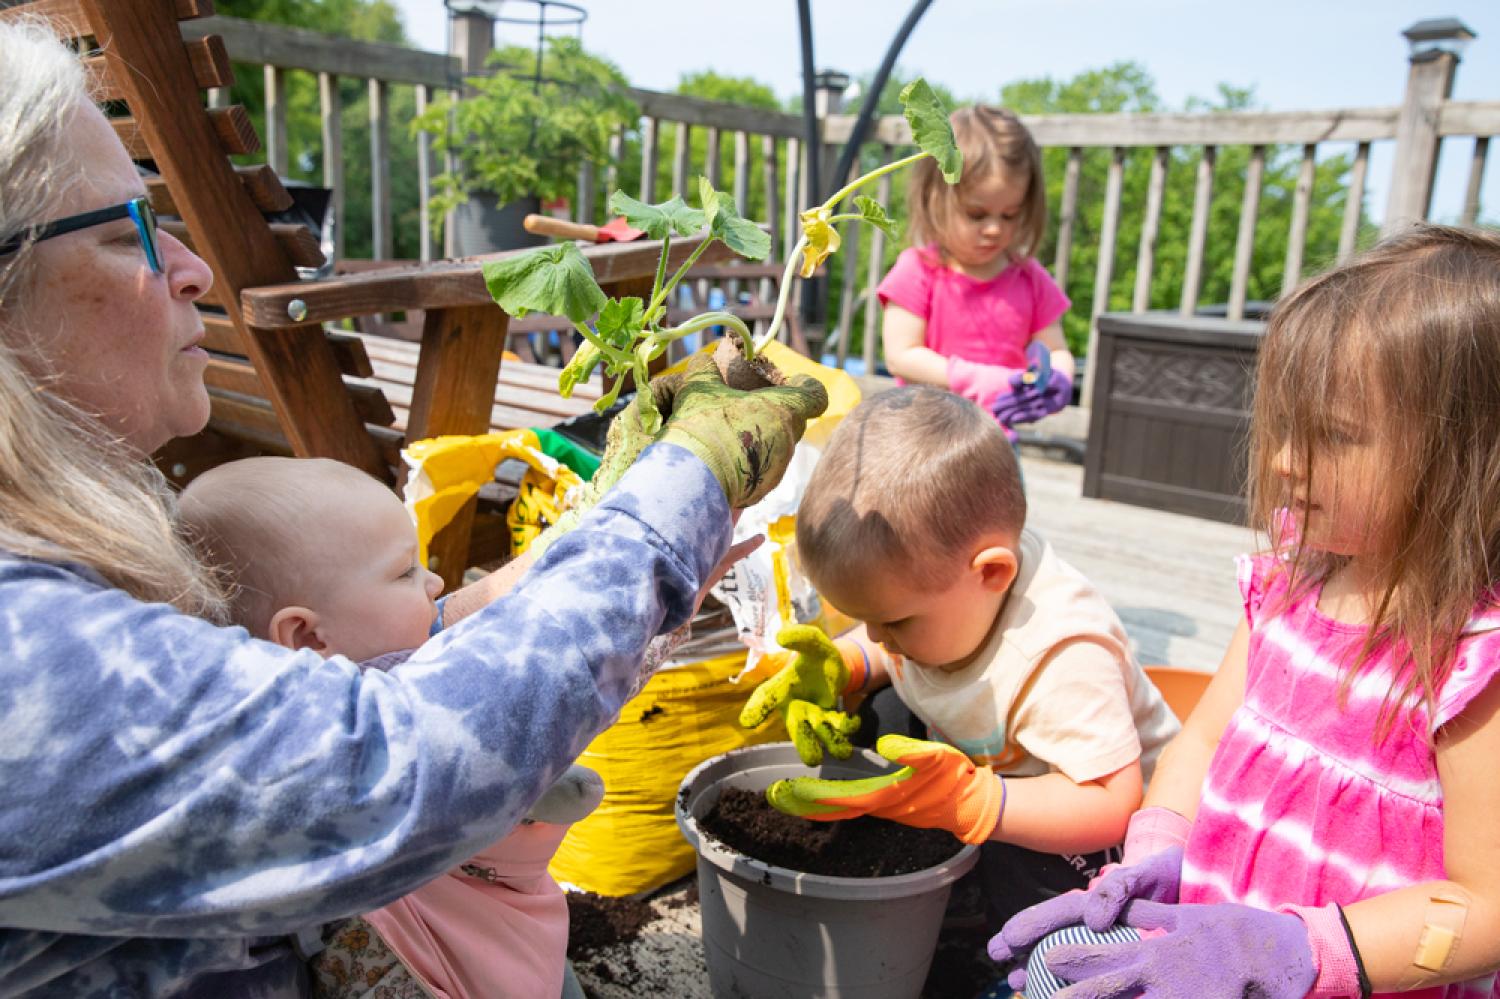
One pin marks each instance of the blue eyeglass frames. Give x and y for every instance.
(138, 210)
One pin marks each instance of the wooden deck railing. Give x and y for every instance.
(767, 146)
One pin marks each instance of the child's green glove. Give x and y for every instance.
(938, 787)
(745, 438)
(805, 691)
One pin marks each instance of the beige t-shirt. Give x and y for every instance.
(1055, 687)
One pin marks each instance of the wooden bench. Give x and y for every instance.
(279, 383)
(525, 396)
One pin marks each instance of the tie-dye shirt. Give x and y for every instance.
(178, 797)
(1302, 804)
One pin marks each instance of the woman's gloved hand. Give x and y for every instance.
(622, 445)
(937, 787)
(806, 692)
(745, 438)
(705, 412)
(1224, 949)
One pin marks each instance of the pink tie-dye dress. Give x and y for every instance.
(1302, 804)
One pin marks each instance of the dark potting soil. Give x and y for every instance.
(850, 848)
(598, 921)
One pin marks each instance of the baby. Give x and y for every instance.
(914, 523)
(321, 556)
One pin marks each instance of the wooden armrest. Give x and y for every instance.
(447, 284)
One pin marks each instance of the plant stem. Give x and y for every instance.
(858, 182)
(661, 268)
(781, 298)
(659, 293)
(706, 320)
(592, 338)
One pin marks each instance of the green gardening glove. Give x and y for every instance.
(624, 443)
(805, 691)
(938, 787)
(745, 438)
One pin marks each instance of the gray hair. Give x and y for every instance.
(68, 491)
(44, 85)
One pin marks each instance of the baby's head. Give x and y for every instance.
(911, 523)
(1002, 177)
(320, 555)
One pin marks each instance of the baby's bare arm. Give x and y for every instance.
(1054, 814)
(463, 602)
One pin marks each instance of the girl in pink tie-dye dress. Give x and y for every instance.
(1328, 822)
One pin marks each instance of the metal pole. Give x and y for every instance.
(810, 144)
(871, 102)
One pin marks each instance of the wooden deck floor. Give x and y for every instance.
(1170, 578)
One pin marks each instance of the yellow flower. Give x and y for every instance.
(822, 239)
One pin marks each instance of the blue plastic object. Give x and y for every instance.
(1038, 371)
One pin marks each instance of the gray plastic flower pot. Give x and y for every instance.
(769, 932)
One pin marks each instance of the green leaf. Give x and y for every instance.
(873, 212)
(724, 221)
(931, 128)
(552, 279)
(620, 322)
(659, 221)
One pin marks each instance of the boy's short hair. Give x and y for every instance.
(912, 477)
(265, 523)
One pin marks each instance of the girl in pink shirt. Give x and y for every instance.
(966, 300)
(1330, 808)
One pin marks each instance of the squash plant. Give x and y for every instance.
(628, 334)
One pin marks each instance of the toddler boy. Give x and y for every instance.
(1046, 728)
(321, 556)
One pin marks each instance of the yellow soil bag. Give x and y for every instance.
(446, 472)
(684, 715)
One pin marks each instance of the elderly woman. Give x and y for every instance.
(178, 797)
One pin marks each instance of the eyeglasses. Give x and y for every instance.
(138, 210)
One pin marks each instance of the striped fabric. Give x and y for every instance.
(1302, 805)
(1040, 981)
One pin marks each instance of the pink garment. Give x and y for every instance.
(1302, 805)
(990, 322)
(496, 927)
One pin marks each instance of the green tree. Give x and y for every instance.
(363, 20)
(1128, 87)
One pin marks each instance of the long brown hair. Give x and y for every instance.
(1406, 339)
(993, 141)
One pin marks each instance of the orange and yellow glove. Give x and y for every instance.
(937, 787)
(806, 691)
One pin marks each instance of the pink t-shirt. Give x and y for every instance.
(1302, 803)
(990, 322)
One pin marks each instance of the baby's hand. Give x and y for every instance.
(574, 795)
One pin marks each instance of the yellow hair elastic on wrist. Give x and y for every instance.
(1442, 929)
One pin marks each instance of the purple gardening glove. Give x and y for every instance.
(1155, 878)
(1207, 950)
(1026, 403)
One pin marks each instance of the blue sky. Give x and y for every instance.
(1297, 54)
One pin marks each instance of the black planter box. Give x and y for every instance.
(1171, 411)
